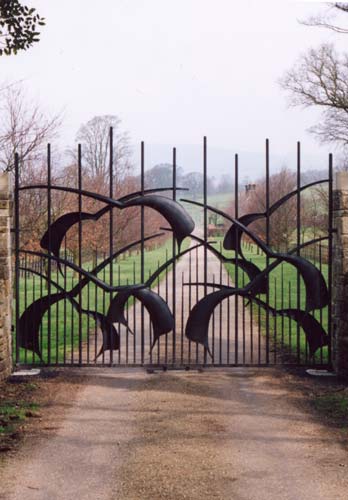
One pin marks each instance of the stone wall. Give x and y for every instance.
(340, 276)
(5, 278)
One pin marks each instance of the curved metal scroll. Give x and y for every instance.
(181, 222)
(317, 295)
(30, 320)
(233, 237)
(53, 237)
(171, 210)
(197, 326)
(160, 314)
(315, 334)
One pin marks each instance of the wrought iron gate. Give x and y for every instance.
(213, 300)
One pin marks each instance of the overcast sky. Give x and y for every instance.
(175, 70)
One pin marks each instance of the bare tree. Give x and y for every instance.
(33, 202)
(314, 212)
(320, 79)
(283, 220)
(24, 127)
(327, 19)
(94, 139)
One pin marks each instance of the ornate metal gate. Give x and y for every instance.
(208, 300)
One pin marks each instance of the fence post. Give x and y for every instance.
(340, 276)
(5, 277)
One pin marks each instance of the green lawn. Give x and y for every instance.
(282, 294)
(221, 200)
(64, 319)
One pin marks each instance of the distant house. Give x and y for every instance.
(216, 229)
(249, 187)
(216, 226)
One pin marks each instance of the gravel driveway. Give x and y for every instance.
(222, 434)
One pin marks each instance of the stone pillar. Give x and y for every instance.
(5, 277)
(340, 276)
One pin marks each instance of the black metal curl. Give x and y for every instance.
(160, 314)
(233, 237)
(317, 295)
(197, 326)
(171, 210)
(161, 317)
(30, 321)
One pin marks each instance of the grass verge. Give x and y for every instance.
(333, 406)
(17, 406)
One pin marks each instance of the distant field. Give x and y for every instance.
(221, 201)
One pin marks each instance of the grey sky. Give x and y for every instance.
(174, 71)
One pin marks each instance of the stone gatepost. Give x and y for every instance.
(340, 276)
(5, 277)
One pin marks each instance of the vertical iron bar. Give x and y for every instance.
(88, 320)
(251, 333)
(167, 295)
(119, 324)
(220, 313)
(104, 306)
(236, 301)
(243, 320)
(41, 293)
(330, 251)
(290, 321)
(17, 273)
(150, 327)
(79, 166)
(259, 335)
(182, 318)
(72, 327)
(275, 339)
(228, 320)
(159, 293)
(213, 331)
(174, 263)
(25, 299)
(57, 318)
(127, 332)
(64, 308)
(49, 263)
(111, 223)
(205, 218)
(95, 322)
(298, 238)
(134, 319)
(197, 296)
(321, 310)
(251, 326)
(142, 251)
(190, 302)
(268, 244)
(282, 305)
(33, 300)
